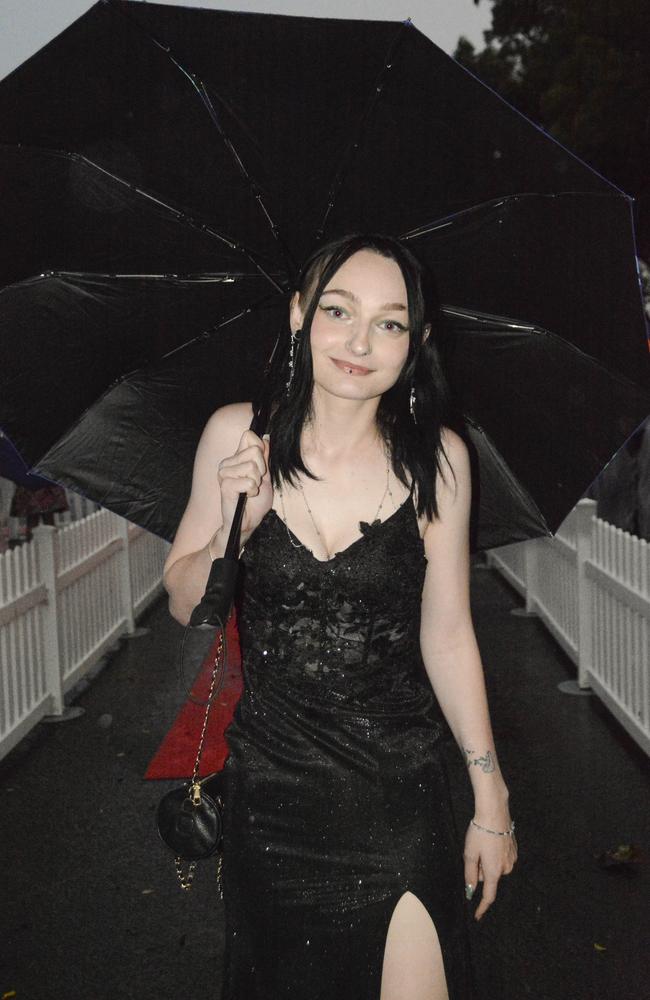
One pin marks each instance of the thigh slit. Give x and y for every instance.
(413, 965)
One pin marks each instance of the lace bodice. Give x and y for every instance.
(340, 633)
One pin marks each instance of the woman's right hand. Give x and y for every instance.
(247, 471)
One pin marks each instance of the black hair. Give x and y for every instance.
(414, 447)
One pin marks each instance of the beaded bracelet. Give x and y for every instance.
(500, 833)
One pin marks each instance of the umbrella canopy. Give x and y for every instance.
(165, 170)
(14, 470)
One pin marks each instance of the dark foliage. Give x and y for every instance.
(580, 69)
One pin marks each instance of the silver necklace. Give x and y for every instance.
(363, 524)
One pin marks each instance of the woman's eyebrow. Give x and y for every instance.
(354, 298)
(341, 291)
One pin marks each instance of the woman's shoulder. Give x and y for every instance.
(223, 430)
(230, 419)
(455, 460)
(453, 466)
(454, 447)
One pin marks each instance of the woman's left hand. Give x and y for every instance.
(488, 856)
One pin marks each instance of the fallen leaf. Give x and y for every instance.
(624, 854)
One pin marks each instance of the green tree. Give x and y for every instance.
(580, 69)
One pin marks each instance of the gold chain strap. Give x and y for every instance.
(185, 880)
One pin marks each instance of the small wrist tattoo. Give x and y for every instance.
(486, 763)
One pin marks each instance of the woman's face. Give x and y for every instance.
(360, 331)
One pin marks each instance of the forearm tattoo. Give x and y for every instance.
(486, 763)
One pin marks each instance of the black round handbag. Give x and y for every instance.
(189, 817)
(189, 822)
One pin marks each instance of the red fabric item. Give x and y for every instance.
(176, 754)
(43, 500)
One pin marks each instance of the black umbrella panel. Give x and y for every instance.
(166, 169)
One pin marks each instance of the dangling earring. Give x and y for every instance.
(294, 338)
(412, 403)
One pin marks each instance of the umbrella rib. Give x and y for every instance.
(488, 318)
(540, 331)
(224, 277)
(253, 185)
(179, 214)
(205, 334)
(201, 90)
(353, 145)
(447, 220)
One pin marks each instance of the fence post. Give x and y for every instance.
(585, 511)
(125, 575)
(44, 535)
(530, 574)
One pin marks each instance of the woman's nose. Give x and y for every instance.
(359, 342)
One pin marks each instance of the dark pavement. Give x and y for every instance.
(90, 904)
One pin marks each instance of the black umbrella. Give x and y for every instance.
(164, 171)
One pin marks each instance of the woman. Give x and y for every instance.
(342, 875)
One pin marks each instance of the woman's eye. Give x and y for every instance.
(335, 311)
(393, 326)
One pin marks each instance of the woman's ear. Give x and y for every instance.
(295, 312)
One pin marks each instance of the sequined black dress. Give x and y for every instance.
(336, 795)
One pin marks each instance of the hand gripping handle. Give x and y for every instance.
(214, 607)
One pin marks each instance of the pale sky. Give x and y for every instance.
(27, 25)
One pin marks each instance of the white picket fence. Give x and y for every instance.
(590, 585)
(79, 507)
(65, 598)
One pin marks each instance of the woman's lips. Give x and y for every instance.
(350, 369)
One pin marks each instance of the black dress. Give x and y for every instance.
(336, 795)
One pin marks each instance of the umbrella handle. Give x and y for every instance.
(214, 607)
(258, 424)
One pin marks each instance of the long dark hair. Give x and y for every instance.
(414, 447)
